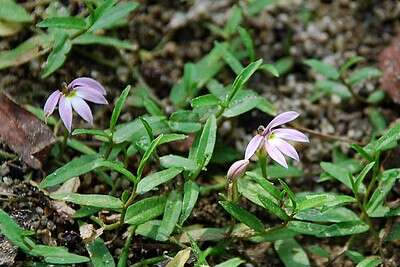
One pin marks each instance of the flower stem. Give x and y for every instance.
(263, 164)
(124, 255)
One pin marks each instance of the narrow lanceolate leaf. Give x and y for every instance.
(145, 210)
(204, 101)
(265, 184)
(363, 74)
(291, 253)
(243, 216)
(113, 15)
(12, 230)
(94, 200)
(350, 63)
(360, 177)
(190, 195)
(11, 11)
(169, 161)
(90, 39)
(340, 174)
(273, 208)
(230, 59)
(172, 211)
(56, 59)
(147, 154)
(234, 20)
(118, 107)
(155, 179)
(248, 43)
(231, 263)
(325, 69)
(242, 78)
(207, 142)
(63, 22)
(58, 255)
(99, 254)
(91, 132)
(372, 261)
(82, 165)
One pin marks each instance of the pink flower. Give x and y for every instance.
(274, 141)
(237, 169)
(73, 96)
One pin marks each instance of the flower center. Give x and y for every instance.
(271, 136)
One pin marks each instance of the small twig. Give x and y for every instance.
(326, 136)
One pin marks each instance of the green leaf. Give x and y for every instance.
(355, 256)
(184, 121)
(289, 193)
(172, 212)
(308, 201)
(90, 39)
(230, 59)
(243, 215)
(350, 63)
(251, 190)
(265, 184)
(25, 51)
(234, 20)
(134, 130)
(376, 97)
(274, 234)
(169, 161)
(394, 233)
(319, 251)
(247, 42)
(99, 254)
(377, 120)
(360, 177)
(331, 87)
(85, 211)
(371, 261)
(291, 253)
(344, 228)
(390, 136)
(118, 107)
(244, 101)
(190, 195)
(148, 229)
(145, 210)
(234, 262)
(361, 151)
(82, 165)
(11, 11)
(147, 154)
(335, 214)
(339, 173)
(151, 107)
(155, 179)
(81, 147)
(256, 6)
(204, 101)
(284, 65)
(270, 69)
(91, 132)
(93, 200)
(326, 70)
(363, 74)
(273, 208)
(386, 183)
(63, 22)
(58, 255)
(12, 231)
(113, 15)
(242, 78)
(168, 138)
(62, 46)
(206, 142)
(203, 234)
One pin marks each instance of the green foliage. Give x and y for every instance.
(11, 11)
(243, 215)
(100, 256)
(145, 210)
(93, 200)
(291, 253)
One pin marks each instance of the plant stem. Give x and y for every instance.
(124, 255)
(263, 164)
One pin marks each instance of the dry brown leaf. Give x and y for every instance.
(389, 63)
(23, 133)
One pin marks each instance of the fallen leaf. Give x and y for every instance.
(180, 258)
(23, 133)
(389, 63)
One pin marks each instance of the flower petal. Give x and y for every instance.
(91, 95)
(237, 169)
(291, 134)
(253, 145)
(275, 154)
(82, 108)
(65, 111)
(51, 103)
(281, 119)
(286, 148)
(89, 83)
